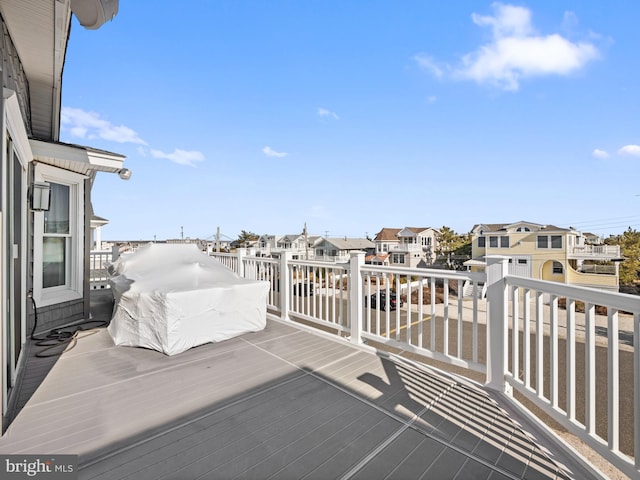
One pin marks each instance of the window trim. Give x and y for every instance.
(74, 286)
(549, 242)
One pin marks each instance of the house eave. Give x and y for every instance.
(76, 158)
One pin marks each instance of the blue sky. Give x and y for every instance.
(352, 116)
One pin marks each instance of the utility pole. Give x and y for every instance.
(182, 233)
(218, 239)
(306, 242)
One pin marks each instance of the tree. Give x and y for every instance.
(245, 237)
(452, 245)
(629, 243)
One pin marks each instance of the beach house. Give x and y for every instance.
(547, 252)
(46, 184)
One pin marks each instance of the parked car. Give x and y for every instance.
(394, 302)
(303, 288)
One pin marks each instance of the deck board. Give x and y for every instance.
(281, 403)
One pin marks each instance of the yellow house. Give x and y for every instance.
(546, 252)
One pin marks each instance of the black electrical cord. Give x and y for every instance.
(61, 339)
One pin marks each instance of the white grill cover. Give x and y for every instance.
(171, 297)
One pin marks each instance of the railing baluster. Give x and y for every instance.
(432, 287)
(515, 332)
(397, 279)
(420, 310)
(475, 322)
(526, 337)
(553, 351)
(445, 319)
(636, 389)
(539, 344)
(460, 311)
(590, 369)
(613, 384)
(571, 358)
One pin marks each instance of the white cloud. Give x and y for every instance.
(600, 153)
(516, 52)
(432, 99)
(89, 125)
(270, 152)
(633, 150)
(323, 112)
(181, 157)
(427, 63)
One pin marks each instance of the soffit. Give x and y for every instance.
(76, 158)
(39, 30)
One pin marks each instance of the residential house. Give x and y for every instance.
(408, 246)
(46, 195)
(547, 252)
(96, 232)
(339, 249)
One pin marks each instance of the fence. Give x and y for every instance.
(558, 347)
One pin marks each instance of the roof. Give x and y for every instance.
(39, 30)
(387, 234)
(350, 243)
(502, 227)
(76, 158)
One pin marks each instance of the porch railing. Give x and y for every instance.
(98, 275)
(566, 350)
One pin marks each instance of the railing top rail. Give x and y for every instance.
(427, 272)
(320, 263)
(260, 259)
(620, 301)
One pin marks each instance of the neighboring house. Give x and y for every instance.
(299, 245)
(377, 259)
(409, 246)
(46, 193)
(96, 232)
(338, 249)
(546, 252)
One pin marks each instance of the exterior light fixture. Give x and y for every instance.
(40, 196)
(124, 173)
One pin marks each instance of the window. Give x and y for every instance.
(501, 241)
(481, 242)
(557, 268)
(549, 241)
(58, 238)
(56, 242)
(398, 258)
(523, 229)
(522, 261)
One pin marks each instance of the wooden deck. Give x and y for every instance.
(282, 403)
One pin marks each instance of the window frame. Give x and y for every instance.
(549, 242)
(74, 266)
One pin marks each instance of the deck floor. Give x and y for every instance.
(281, 403)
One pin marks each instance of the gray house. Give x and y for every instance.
(46, 185)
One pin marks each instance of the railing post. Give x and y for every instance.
(240, 256)
(283, 285)
(355, 295)
(497, 326)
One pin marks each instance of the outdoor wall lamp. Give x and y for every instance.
(124, 173)
(40, 196)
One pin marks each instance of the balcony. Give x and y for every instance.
(595, 252)
(409, 247)
(334, 389)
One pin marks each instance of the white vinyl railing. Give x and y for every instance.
(98, 274)
(569, 351)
